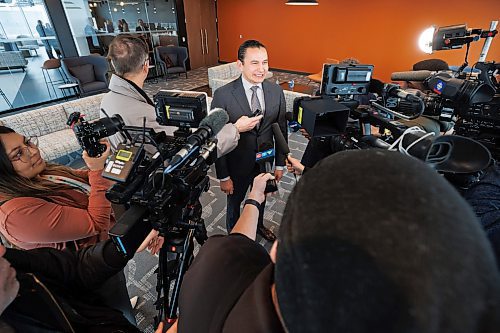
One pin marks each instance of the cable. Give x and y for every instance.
(399, 141)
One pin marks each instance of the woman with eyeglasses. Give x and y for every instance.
(50, 205)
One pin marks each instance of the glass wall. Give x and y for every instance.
(27, 40)
(94, 23)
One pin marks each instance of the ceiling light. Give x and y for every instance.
(302, 2)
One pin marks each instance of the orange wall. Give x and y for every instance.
(379, 32)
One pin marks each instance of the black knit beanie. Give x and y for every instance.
(374, 241)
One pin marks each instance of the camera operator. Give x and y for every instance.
(130, 59)
(349, 259)
(48, 290)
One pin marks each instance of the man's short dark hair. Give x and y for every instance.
(127, 54)
(252, 43)
(431, 65)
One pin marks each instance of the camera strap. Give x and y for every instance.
(140, 91)
(76, 184)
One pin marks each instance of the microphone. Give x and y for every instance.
(294, 126)
(264, 158)
(279, 139)
(394, 90)
(209, 127)
(411, 75)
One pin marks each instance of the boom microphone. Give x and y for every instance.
(411, 75)
(209, 127)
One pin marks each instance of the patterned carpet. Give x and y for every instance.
(141, 280)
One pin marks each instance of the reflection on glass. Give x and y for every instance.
(27, 40)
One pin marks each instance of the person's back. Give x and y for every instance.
(130, 59)
(352, 259)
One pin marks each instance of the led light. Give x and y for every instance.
(425, 40)
(302, 3)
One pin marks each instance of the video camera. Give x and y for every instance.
(327, 115)
(162, 184)
(470, 100)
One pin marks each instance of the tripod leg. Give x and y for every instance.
(184, 261)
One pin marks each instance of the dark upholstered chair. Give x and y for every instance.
(172, 59)
(89, 72)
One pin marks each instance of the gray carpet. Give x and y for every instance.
(141, 280)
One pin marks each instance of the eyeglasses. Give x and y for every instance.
(23, 154)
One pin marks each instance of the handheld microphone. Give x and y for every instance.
(209, 127)
(279, 139)
(294, 126)
(264, 158)
(411, 75)
(394, 90)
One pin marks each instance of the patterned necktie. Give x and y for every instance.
(255, 104)
(255, 100)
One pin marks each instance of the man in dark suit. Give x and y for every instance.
(249, 95)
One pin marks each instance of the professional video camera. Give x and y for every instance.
(336, 122)
(162, 184)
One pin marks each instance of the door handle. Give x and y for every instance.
(202, 46)
(206, 40)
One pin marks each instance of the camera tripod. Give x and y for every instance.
(177, 251)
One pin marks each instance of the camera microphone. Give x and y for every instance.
(209, 127)
(411, 75)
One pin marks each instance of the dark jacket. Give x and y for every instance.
(59, 290)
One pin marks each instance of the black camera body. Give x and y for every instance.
(88, 134)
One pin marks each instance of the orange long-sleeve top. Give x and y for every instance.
(29, 222)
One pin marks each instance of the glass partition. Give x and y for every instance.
(27, 40)
(95, 23)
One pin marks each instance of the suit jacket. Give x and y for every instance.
(241, 161)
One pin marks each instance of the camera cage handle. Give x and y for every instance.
(398, 114)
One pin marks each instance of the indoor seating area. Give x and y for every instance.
(327, 91)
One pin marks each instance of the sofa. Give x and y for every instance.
(12, 60)
(56, 139)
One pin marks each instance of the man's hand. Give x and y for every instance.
(245, 124)
(226, 186)
(305, 134)
(259, 186)
(9, 286)
(293, 165)
(278, 174)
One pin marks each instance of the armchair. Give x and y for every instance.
(172, 59)
(89, 72)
